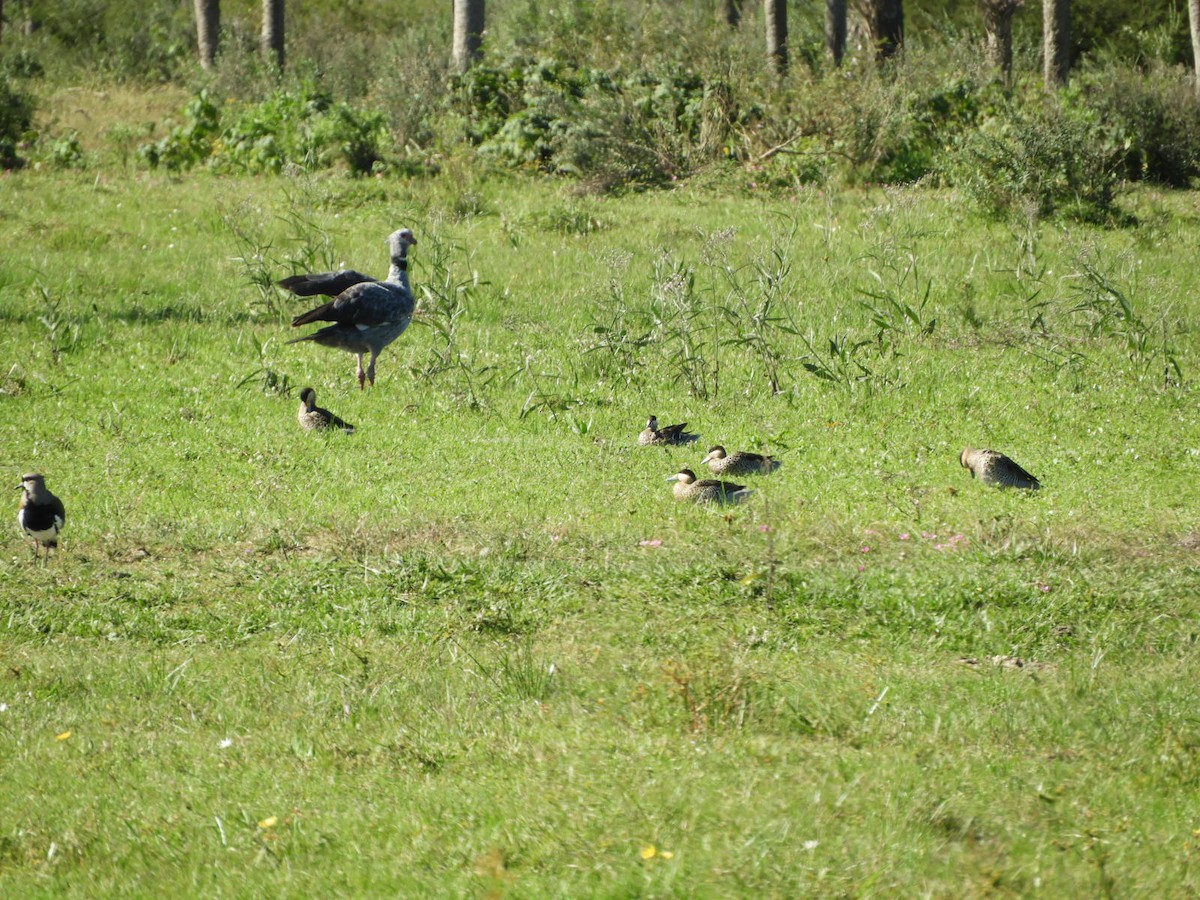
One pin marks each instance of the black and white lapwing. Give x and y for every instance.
(41, 514)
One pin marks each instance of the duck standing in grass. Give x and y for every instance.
(670, 435)
(994, 468)
(314, 418)
(367, 314)
(739, 462)
(707, 491)
(41, 515)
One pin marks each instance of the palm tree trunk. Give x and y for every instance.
(777, 34)
(468, 33)
(1056, 42)
(208, 30)
(272, 32)
(997, 26)
(1194, 15)
(887, 28)
(835, 29)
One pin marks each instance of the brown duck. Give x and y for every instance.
(673, 435)
(314, 418)
(707, 491)
(739, 462)
(994, 468)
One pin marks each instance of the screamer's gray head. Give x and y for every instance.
(401, 240)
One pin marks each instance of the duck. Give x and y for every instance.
(994, 468)
(739, 462)
(40, 514)
(314, 418)
(673, 435)
(708, 490)
(367, 315)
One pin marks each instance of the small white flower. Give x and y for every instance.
(811, 845)
(3, 707)
(226, 743)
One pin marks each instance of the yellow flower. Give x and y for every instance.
(649, 852)
(268, 822)
(63, 736)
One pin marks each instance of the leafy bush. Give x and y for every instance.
(65, 152)
(645, 128)
(22, 63)
(140, 40)
(928, 120)
(1154, 117)
(302, 126)
(1049, 160)
(16, 118)
(189, 144)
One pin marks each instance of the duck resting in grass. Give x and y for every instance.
(708, 490)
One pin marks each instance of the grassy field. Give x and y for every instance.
(476, 647)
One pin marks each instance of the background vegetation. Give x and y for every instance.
(476, 647)
(616, 97)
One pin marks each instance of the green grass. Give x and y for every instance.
(446, 655)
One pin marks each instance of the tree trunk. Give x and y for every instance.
(731, 12)
(835, 29)
(887, 28)
(777, 34)
(1194, 15)
(1, 19)
(997, 26)
(468, 33)
(272, 32)
(208, 30)
(1056, 42)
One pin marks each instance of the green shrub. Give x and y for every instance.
(1048, 160)
(302, 126)
(189, 144)
(16, 119)
(1154, 117)
(66, 152)
(648, 127)
(22, 63)
(127, 40)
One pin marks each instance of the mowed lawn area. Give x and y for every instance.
(477, 648)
